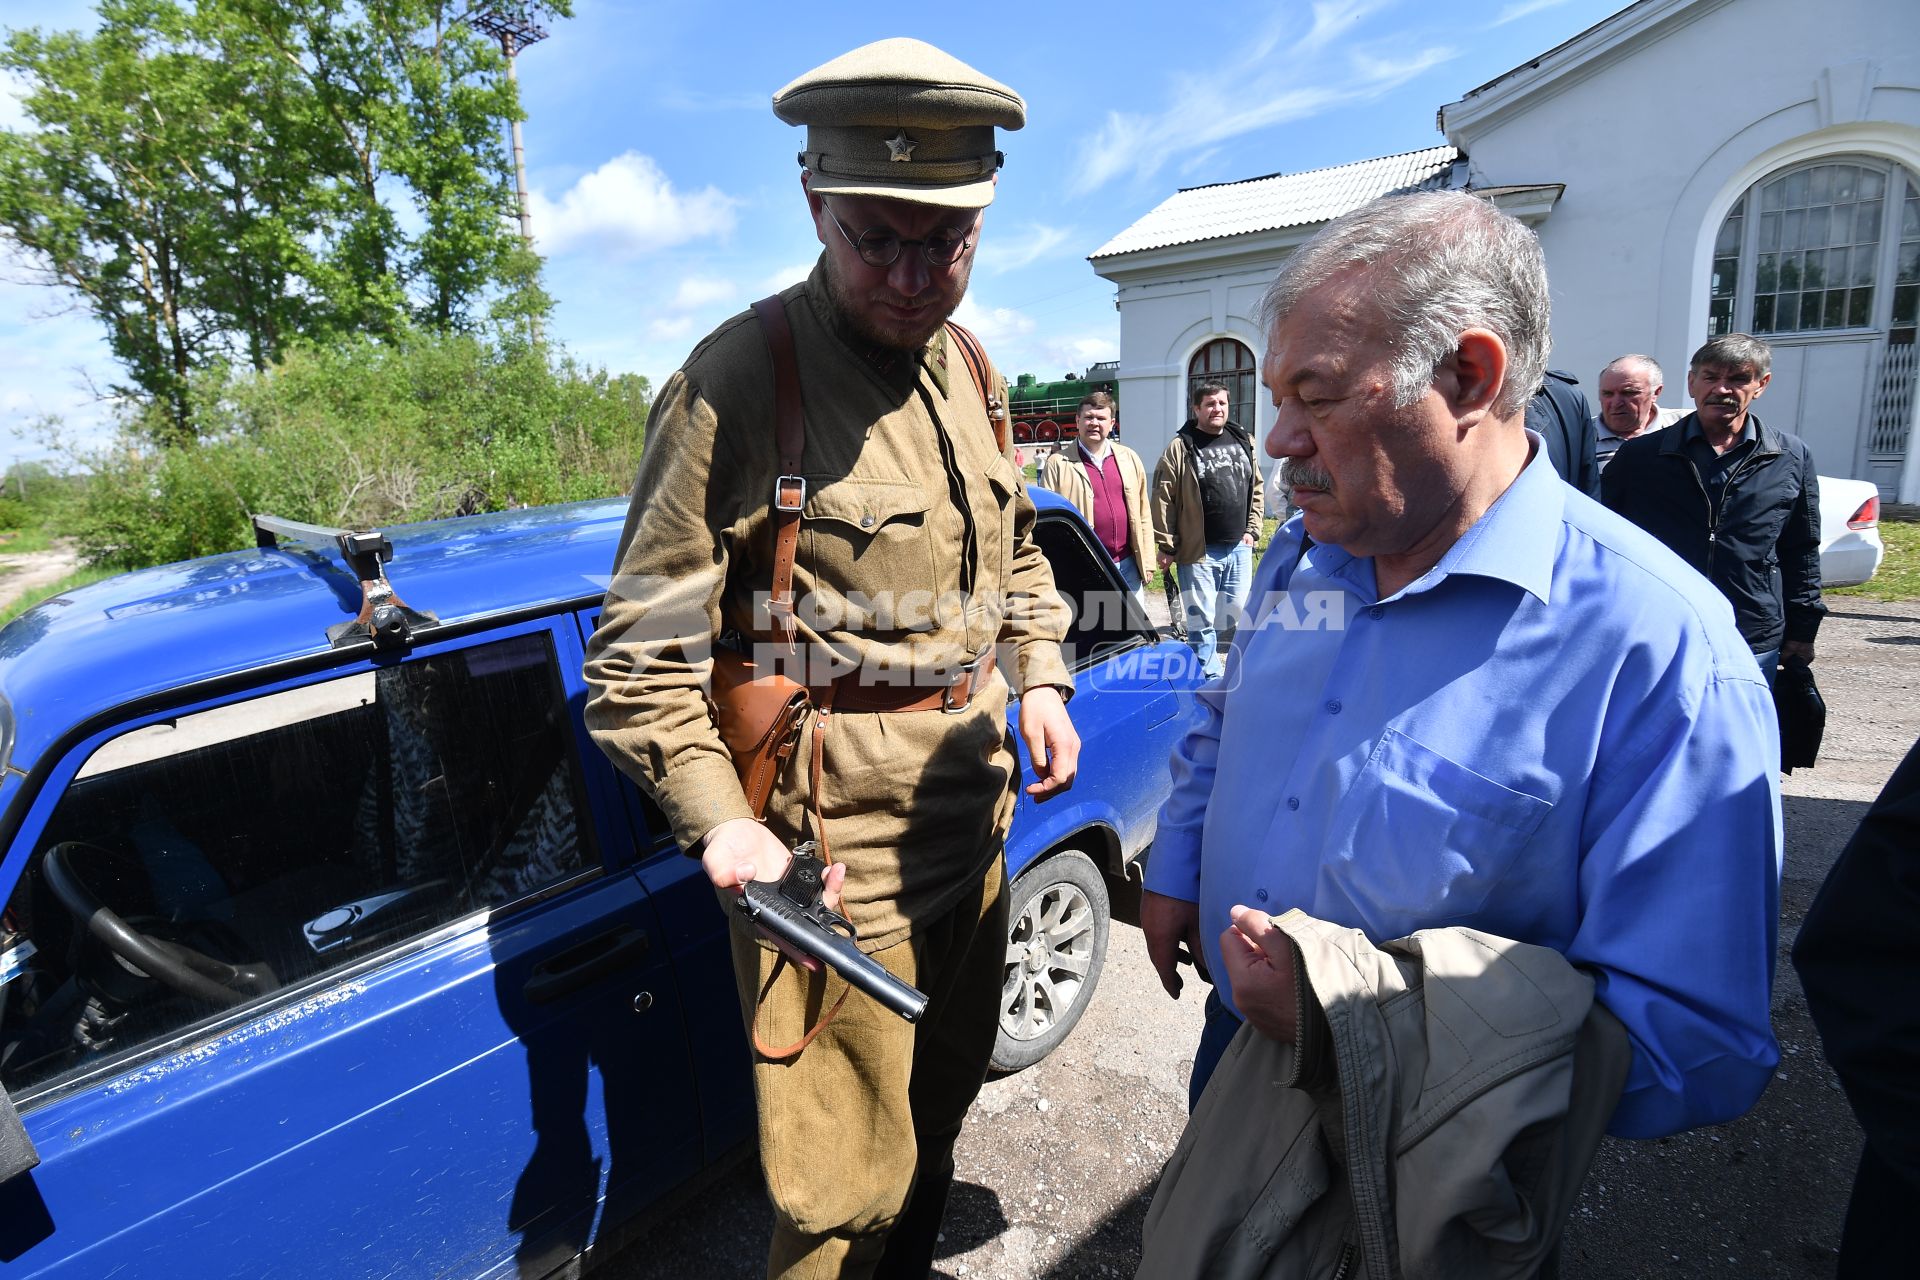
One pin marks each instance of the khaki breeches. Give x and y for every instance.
(857, 1131)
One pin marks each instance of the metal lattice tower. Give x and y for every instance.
(509, 24)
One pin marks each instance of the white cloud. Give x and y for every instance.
(1023, 248)
(671, 328)
(1523, 9)
(1334, 18)
(994, 326)
(778, 280)
(702, 291)
(53, 364)
(1261, 87)
(629, 207)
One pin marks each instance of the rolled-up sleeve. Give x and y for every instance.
(1680, 896)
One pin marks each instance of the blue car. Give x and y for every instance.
(331, 946)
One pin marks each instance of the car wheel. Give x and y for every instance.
(1056, 942)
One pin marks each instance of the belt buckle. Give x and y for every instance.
(972, 676)
(780, 487)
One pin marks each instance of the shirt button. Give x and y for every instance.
(1333, 707)
(1293, 802)
(866, 522)
(1376, 613)
(1261, 894)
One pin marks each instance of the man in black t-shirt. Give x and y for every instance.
(1207, 505)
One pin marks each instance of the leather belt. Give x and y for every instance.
(849, 694)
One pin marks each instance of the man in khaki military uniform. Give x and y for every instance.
(915, 570)
(1108, 483)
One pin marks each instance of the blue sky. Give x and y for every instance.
(666, 194)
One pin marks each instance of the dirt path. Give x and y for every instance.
(22, 573)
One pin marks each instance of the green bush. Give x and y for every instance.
(363, 434)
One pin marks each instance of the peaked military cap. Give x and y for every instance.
(903, 120)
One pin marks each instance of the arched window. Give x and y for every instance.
(1824, 246)
(1832, 249)
(1228, 362)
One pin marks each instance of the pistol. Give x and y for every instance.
(793, 912)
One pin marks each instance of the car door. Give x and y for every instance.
(442, 1035)
(1129, 689)
(695, 928)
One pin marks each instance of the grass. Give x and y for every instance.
(31, 598)
(14, 542)
(1899, 575)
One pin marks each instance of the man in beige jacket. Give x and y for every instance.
(1208, 505)
(1108, 483)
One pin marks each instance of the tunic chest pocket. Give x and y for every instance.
(868, 536)
(996, 527)
(1422, 837)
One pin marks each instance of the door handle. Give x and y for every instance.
(585, 964)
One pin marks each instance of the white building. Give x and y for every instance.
(1692, 167)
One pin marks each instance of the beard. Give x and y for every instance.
(934, 306)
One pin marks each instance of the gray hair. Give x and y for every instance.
(1735, 351)
(1441, 262)
(1654, 372)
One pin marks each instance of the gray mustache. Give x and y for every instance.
(1304, 475)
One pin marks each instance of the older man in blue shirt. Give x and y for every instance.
(1468, 695)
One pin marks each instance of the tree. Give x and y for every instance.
(216, 179)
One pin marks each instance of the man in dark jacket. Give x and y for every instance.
(1559, 412)
(1734, 498)
(1861, 972)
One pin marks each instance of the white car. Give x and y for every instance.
(1850, 546)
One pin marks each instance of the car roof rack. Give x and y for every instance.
(384, 617)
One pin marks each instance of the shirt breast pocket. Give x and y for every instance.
(1422, 839)
(869, 536)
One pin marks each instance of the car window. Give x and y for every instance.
(1106, 619)
(207, 862)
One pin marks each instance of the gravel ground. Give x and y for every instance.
(1057, 1162)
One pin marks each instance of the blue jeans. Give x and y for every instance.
(1218, 1033)
(1214, 591)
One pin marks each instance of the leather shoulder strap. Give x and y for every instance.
(790, 437)
(983, 376)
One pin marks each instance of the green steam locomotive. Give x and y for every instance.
(1043, 412)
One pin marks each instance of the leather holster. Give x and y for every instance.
(760, 715)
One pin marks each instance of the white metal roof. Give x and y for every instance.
(1282, 200)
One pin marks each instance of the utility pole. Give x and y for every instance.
(509, 24)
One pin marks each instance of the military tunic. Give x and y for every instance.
(914, 555)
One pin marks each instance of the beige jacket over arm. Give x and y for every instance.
(1179, 512)
(916, 531)
(1435, 1121)
(1064, 473)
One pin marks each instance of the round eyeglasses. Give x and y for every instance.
(880, 247)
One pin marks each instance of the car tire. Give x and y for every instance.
(1057, 921)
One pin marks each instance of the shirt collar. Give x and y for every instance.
(1098, 459)
(1511, 541)
(1693, 431)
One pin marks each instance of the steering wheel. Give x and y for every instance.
(189, 972)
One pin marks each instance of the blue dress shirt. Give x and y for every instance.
(1555, 735)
